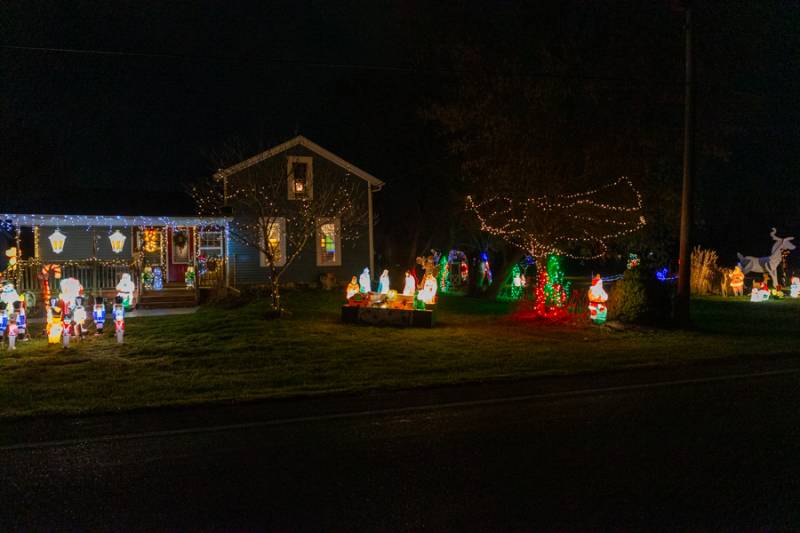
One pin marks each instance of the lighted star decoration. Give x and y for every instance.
(583, 220)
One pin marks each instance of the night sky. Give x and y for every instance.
(170, 83)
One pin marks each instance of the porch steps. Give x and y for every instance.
(168, 298)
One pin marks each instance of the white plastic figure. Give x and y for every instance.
(410, 286)
(13, 330)
(22, 320)
(9, 294)
(428, 292)
(3, 320)
(352, 288)
(125, 290)
(66, 334)
(794, 289)
(79, 318)
(99, 314)
(119, 319)
(71, 288)
(383, 283)
(364, 281)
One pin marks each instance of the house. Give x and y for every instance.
(304, 169)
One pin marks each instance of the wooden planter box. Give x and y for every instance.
(379, 316)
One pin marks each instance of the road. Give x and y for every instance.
(716, 448)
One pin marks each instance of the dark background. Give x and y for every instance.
(187, 78)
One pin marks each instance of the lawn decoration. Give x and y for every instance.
(633, 261)
(147, 278)
(13, 331)
(79, 318)
(551, 291)
(383, 282)
(55, 325)
(22, 319)
(364, 282)
(71, 288)
(99, 314)
(597, 301)
(794, 289)
(484, 271)
(428, 264)
(11, 253)
(737, 281)
(9, 294)
(352, 288)
(202, 265)
(119, 319)
(125, 289)
(158, 279)
(189, 277)
(3, 320)
(428, 292)
(760, 292)
(410, 286)
(443, 275)
(44, 278)
(514, 286)
(67, 332)
(768, 264)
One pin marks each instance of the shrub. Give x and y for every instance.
(704, 268)
(627, 299)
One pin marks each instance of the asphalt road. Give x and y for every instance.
(710, 448)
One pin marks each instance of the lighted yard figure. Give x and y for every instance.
(11, 253)
(597, 301)
(794, 288)
(125, 289)
(428, 292)
(9, 294)
(71, 288)
(383, 282)
(352, 288)
(13, 331)
(768, 264)
(760, 292)
(56, 325)
(444, 275)
(189, 277)
(22, 319)
(484, 271)
(158, 280)
(99, 314)
(147, 278)
(3, 320)
(119, 319)
(410, 286)
(67, 332)
(79, 318)
(364, 281)
(737, 281)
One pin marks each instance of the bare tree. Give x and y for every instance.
(266, 219)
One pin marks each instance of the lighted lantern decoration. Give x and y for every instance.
(428, 292)
(352, 288)
(119, 319)
(737, 281)
(150, 238)
(117, 241)
(794, 289)
(71, 288)
(597, 301)
(410, 286)
(57, 240)
(189, 277)
(158, 280)
(99, 314)
(365, 283)
(125, 290)
(79, 318)
(383, 283)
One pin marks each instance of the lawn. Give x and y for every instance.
(228, 355)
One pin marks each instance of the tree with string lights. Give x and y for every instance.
(266, 220)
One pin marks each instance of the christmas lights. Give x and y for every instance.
(513, 287)
(189, 277)
(516, 221)
(151, 239)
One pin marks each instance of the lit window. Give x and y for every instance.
(329, 242)
(300, 171)
(275, 240)
(210, 243)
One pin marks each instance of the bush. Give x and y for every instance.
(640, 298)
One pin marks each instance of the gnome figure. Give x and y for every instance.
(13, 331)
(99, 314)
(597, 301)
(119, 319)
(79, 318)
(383, 283)
(66, 334)
(410, 286)
(364, 282)
(352, 288)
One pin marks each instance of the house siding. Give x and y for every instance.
(245, 265)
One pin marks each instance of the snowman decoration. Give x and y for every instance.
(9, 294)
(125, 290)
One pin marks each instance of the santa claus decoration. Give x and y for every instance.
(597, 301)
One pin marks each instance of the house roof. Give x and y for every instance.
(314, 147)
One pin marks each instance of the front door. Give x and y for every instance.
(179, 253)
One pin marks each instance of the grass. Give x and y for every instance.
(231, 355)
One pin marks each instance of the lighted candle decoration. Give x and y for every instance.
(383, 282)
(737, 281)
(410, 286)
(794, 289)
(352, 288)
(364, 281)
(597, 301)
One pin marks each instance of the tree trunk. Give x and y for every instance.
(275, 289)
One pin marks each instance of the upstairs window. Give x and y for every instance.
(275, 241)
(300, 171)
(329, 242)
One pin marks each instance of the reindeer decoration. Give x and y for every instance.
(768, 264)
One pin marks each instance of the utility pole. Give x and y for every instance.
(685, 255)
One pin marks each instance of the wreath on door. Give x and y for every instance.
(179, 238)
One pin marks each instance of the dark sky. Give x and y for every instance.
(354, 76)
